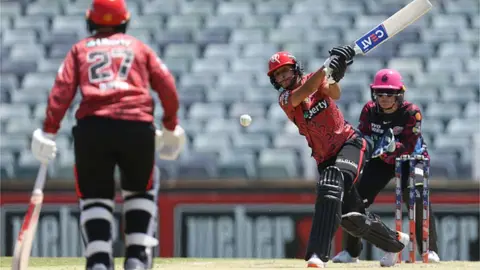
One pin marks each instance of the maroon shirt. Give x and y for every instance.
(405, 122)
(319, 120)
(114, 73)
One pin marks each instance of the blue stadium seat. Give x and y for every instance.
(181, 50)
(207, 36)
(28, 96)
(277, 164)
(469, 80)
(173, 36)
(205, 80)
(43, 81)
(259, 21)
(444, 64)
(27, 166)
(38, 9)
(18, 36)
(190, 21)
(301, 51)
(467, 94)
(15, 111)
(268, 127)
(189, 95)
(177, 64)
(49, 65)
(198, 166)
(8, 82)
(320, 36)
(463, 126)
(271, 7)
(21, 128)
(203, 142)
(432, 126)
(14, 143)
(472, 110)
(289, 141)
(226, 95)
(247, 36)
(261, 95)
(221, 50)
(416, 50)
(65, 162)
(7, 166)
(205, 111)
(286, 35)
(222, 126)
(438, 111)
(198, 7)
(250, 141)
(10, 9)
(454, 21)
(261, 50)
(254, 110)
(218, 21)
(161, 7)
(232, 79)
(228, 8)
(296, 20)
(422, 95)
(210, 65)
(252, 64)
(237, 167)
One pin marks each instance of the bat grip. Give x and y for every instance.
(41, 177)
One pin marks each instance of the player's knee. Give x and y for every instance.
(139, 211)
(96, 221)
(330, 183)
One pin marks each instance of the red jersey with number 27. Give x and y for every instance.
(319, 120)
(114, 73)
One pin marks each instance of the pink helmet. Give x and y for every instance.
(388, 79)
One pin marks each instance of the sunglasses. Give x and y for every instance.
(385, 94)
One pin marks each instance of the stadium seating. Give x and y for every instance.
(218, 49)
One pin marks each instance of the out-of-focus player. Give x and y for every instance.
(308, 101)
(114, 72)
(389, 112)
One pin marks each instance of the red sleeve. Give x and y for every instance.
(163, 82)
(62, 94)
(285, 101)
(410, 134)
(364, 123)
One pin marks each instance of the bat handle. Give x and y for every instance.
(41, 177)
(357, 49)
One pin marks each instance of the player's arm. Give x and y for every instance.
(299, 94)
(163, 82)
(364, 121)
(62, 94)
(410, 133)
(333, 90)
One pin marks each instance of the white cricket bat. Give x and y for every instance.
(23, 245)
(392, 26)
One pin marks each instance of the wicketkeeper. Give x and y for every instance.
(389, 115)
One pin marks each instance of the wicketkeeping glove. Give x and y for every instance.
(385, 145)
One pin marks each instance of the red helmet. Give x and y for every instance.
(108, 12)
(279, 60)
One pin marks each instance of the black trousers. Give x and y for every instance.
(100, 144)
(376, 175)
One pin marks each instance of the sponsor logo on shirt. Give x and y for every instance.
(315, 109)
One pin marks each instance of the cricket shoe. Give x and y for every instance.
(433, 257)
(315, 262)
(345, 257)
(135, 264)
(390, 258)
(99, 266)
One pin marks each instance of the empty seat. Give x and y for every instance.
(432, 126)
(463, 126)
(461, 6)
(250, 141)
(206, 111)
(300, 50)
(454, 21)
(452, 142)
(43, 81)
(259, 21)
(21, 128)
(472, 109)
(406, 65)
(261, 95)
(247, 36)
(276, 164)
(221, 50)
(234, 8)
(38, 23)
(49, 65)
(151, 22)
(438, 111)
(237, 167)
(444, 64)
(223, 95)
(189, 95)
(18, 36)
(219, 125)
(34, 9)
(436, 79)
(422, 95)
(416, 50)
(27, 166)
(467, 94)
(284, 35)
(31, 97)
(14, 111)
(205, 80)
(252, 109)
(271, 7)
(296, 20)
(346, 7)
(275, 112)
(438, 35)
(364, 65)
(217, 35)
(198, 166)
(211, 142)
(450, 49)
(467, 80)
(218, 21)
(177, 64)
(293, 141)
(252, 64)
(184, 22)
(473, 65)
(322, 36)
(64, 164)
(212, 65)
(161, 8)
(167, 36)
(7, 166)
(14, 143)
(11, 8)
(198, 7)
(232, 79)
(263, 50)
(265, 126)
(8, 82)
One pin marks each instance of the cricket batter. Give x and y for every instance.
(340, 152)
(114, 72)
(389, 111)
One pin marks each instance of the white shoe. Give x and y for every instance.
(390, 258)
(345, 257)
(433, 257)
(315, 262)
